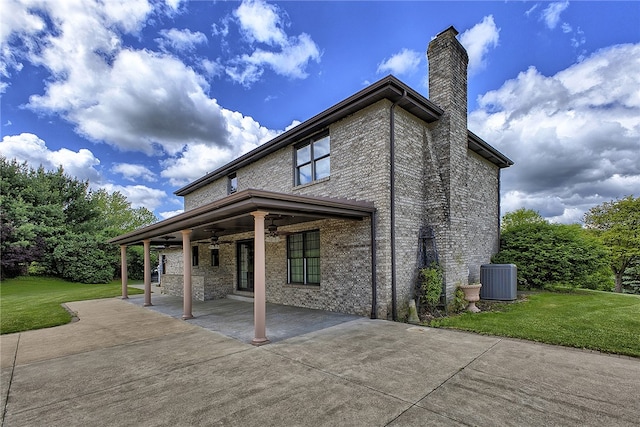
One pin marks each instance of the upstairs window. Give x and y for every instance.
(232, 183)
(313, 160)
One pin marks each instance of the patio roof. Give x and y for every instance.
(231, 215)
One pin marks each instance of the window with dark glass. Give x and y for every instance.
(303, 258)
(232, 183)
(215, 257)
(313, 160)
(194, 256)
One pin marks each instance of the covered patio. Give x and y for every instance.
(233, 317)
(244, 211)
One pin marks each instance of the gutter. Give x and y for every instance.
(374, 284)
(392, 153)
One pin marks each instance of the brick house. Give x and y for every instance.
(339, 212)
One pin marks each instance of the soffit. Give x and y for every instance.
(233, 215)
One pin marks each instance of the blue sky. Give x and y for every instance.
(143, 97)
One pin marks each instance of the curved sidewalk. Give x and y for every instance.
(121, 364)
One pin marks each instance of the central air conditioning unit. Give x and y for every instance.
(499, 282)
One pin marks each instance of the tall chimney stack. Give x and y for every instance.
(448, 62)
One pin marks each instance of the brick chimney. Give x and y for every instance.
(448, 62)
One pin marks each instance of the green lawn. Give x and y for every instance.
(34, 302)
(585, 319)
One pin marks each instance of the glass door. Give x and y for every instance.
(245, 266)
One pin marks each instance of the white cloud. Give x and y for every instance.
(174, 4)
(574, 136)
(138, 100)
(169, 214)
(478, 40)
(263, 23)
(531, 9)
(27, 147)
(133, 172)
(183, 41)
(405, 61)
(551, 14)
(139, 195)
(143, 102)
(197, 160)
(16, 23)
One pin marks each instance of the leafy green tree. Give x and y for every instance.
(631, 277)
(520, 217)
(118, 217)
(82, 258)
(617, 224)
(55, 225)
(548, 254)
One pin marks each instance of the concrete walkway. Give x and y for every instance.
(121, 364)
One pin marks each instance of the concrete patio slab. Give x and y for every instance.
(106, 323)
(550, 385)
(145, 368)
(234, 317)
(401, 360)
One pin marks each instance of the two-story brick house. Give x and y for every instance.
(335, 213)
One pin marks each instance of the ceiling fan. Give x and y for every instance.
(166, 239)
(214, 241)
(272, 232)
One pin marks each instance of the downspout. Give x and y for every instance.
(392, 141)
(374, 284)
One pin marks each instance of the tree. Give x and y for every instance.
(520, 217)
(548, 254)
(55, 225)
(617, 224)
(118, 217)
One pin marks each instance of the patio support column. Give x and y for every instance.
(259, 281)
(123, 271)
(186, 262)
(147, 272)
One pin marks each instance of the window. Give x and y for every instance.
(313, 161)
(232, 183)
(215, 257)
(303, 258)
(194, 256)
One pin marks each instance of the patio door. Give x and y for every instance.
(245, 266)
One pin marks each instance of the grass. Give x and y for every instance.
(32, 302)
(585, 319)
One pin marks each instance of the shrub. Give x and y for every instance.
(551, 253)
(457, 303)
(430, 285)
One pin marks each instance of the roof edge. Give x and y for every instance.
(388, 87)
(482, 148)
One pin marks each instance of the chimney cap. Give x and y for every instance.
(451, 29)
